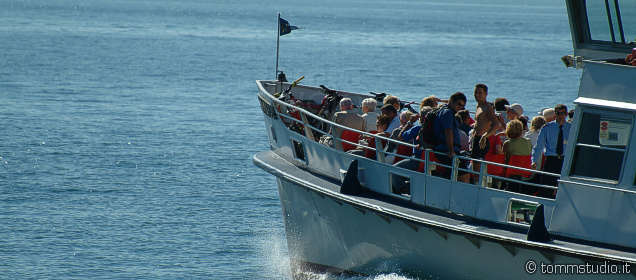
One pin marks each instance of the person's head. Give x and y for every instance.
(500, 104)
(388, 110)
(406, 116)
(548, 114)
(561, 112)
(393, 100)
(430, 101)
(383, 122)
(464, 116)
(571, 115)
(524, 121)
(457, 101)
(514, 111)
(537, 123)
(481, 92)
(368, 105)
(346, 104)
(514, 129)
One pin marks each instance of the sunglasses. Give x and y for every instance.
(561, 113)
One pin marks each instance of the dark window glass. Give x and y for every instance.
(400, 185)
(587, 161)
(628, 15)
(299, 150)
(610, 22)
(597, 20)
(600, 147)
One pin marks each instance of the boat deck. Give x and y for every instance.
(436, 219)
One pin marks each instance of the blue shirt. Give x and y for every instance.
(395, 123)
(410, 135)
(548, 137)
(446, 119)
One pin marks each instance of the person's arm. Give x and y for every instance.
(506, 147)
(448, 133)
(411, 133)
(447, 119)
(494, 126)
(537, 151)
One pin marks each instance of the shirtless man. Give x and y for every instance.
(486, 123)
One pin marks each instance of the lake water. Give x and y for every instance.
(128, 126)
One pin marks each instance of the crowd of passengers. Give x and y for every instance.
(499, 133)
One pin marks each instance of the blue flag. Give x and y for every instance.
(284, 27)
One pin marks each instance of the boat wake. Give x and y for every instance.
(273, 249)
(306, 275)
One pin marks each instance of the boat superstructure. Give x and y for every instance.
(350, 213)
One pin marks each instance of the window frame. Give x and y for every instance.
(614, 19)
(614, 114)
(295, 156)
(582, 40)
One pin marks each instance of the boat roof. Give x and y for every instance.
(602, 30)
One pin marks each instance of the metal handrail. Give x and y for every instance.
(426, 161)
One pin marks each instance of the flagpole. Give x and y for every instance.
(277, 44)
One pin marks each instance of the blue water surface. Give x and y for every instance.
(128, 126)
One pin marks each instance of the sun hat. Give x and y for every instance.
(516, 107)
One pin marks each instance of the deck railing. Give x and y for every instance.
(484, 179)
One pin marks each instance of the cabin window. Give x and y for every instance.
(299, 150)
(612, 20)
(521, 211)
(400, 185)
(601, 145)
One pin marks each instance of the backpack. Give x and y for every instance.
(426, 137)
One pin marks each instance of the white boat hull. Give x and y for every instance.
(326, 233)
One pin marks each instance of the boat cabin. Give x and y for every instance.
(597, 191)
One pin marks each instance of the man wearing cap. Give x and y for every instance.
(554, 138)
(514, 111)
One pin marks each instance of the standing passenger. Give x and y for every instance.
(446, 129)
(535, 127)
(517, 150)
(513, 111)
(554, 137)
(500, 108)
(486, 124)
(548, 115)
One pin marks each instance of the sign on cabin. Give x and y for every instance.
(613, 133)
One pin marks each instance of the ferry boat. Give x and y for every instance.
(343, 212)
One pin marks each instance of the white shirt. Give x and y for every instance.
(533, 136)
(370, 120)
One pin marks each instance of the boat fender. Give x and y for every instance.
(538, 232)
(351, 184)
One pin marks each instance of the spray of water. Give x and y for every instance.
(273, 249)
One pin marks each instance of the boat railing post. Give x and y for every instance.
(482, 174)
(379, 150)
(427, 169)
(455, 161)
(308, 132)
